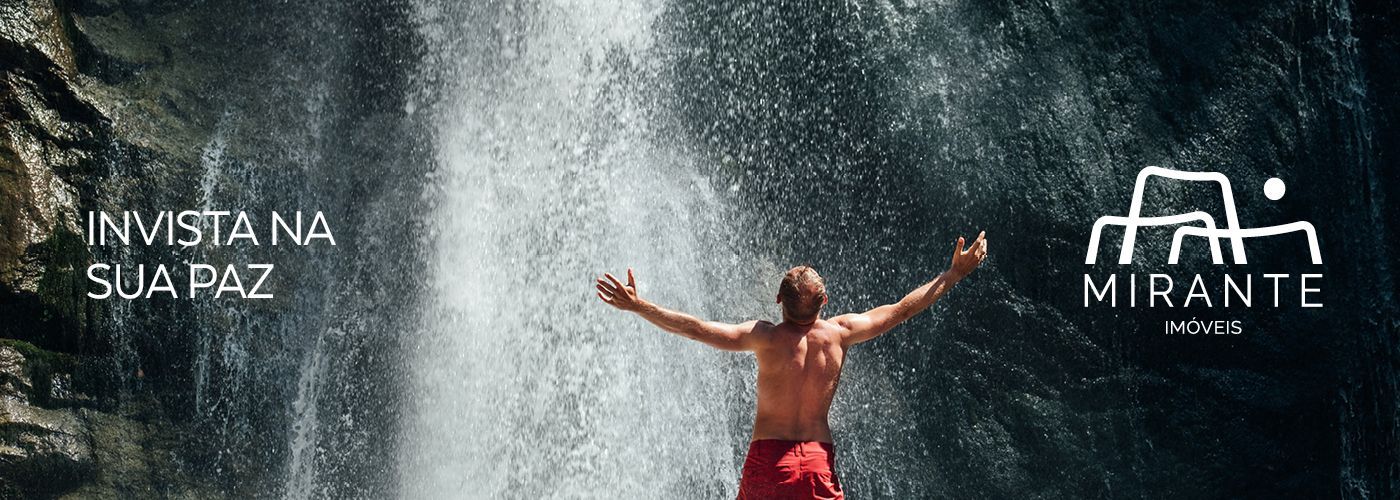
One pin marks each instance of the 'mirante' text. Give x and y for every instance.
(1161, 290)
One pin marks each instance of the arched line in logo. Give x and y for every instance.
(1253, 232)
(1135, 219)
(1166, 220)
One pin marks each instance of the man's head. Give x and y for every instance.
(802, 294)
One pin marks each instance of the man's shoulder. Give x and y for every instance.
(761, 331)
(844, 321)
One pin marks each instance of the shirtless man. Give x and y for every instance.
(799, 365)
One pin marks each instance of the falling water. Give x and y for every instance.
(530, 146)
(524, 384)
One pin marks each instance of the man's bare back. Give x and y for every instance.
(798, 369)
(799, 359)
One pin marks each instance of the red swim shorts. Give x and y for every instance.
(778, 469)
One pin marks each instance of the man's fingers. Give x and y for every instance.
(606, 291)
(614, 280)
(631, 280)
(608, 287)
(961, 248)
(605, 299)
(982, 235)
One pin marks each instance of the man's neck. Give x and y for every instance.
(806, 323)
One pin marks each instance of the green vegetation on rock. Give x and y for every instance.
(62, 286)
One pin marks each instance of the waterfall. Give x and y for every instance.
(301, 473)
(524, 384)
(481, 162)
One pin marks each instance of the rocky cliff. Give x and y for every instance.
(54, 441)
(168, 105)
(70, 115)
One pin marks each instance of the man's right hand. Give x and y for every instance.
(965, 260)
(618, 295)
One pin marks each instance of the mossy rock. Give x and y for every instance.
(63, 286)
(58, 361)
(43, 367)
(57, 314)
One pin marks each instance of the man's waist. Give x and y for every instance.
(809, 456)
(767, 443)
(789, 429)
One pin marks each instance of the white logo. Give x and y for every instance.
(1273, 189)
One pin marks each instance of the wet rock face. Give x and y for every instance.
(159, 105)
(54, 443)
(42, 450)
(50, 136)
(36, 26)
(95, 113)
(56, 136)
(15, 381)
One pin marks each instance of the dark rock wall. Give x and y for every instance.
(50, 138)
(252, 106)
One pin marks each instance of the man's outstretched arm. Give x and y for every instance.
(720, 335)
(877, 321)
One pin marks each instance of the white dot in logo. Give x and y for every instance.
(1273, 188)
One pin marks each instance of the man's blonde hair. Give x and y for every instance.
(802, 293)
